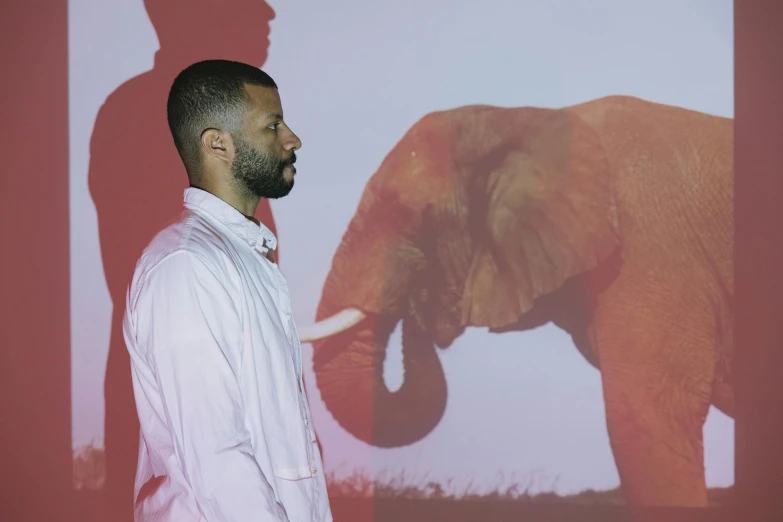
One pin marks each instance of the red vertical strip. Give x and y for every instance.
(34, 292)
(759, 256)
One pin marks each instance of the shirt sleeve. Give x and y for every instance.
(192, 333)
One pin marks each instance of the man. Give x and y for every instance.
(215, 356)
(133, 118)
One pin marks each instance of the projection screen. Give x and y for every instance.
(525, 273)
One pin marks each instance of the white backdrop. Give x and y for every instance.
(354, 76)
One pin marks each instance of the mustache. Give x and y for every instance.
(291, 160)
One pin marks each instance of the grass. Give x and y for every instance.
(89, 468)
(360, 485)
(89, 471)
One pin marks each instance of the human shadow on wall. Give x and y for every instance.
(136, 180)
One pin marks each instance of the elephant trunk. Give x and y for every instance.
(349, 372)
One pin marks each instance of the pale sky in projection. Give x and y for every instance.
(354, 76)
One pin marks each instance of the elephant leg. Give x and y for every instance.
(657, 357)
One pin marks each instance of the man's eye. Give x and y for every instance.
(273, 126)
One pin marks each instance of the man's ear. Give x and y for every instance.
(218, 144)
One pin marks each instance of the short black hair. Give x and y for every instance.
(209, 94)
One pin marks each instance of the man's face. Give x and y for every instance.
(266, 175)
(264, 148)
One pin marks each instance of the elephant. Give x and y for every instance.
(612, 219)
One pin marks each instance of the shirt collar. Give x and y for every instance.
(257, 236)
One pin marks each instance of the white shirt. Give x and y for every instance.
(226, 432)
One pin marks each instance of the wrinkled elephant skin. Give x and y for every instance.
(613, 219)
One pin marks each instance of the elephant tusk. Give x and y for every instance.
(333, 325)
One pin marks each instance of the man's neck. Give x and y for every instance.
(245, 204)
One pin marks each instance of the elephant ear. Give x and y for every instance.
(547, 214)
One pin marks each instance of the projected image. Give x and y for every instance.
(612, 219)
(520, 227)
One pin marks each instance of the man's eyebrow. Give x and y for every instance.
(274, 116)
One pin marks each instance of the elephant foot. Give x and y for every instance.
(656, 432)
(657, 371)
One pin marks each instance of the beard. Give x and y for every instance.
(258, 173)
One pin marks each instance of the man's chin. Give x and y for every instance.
(280, 193)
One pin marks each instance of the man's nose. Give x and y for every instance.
(293, 142)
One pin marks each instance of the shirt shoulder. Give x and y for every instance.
(192, 240)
